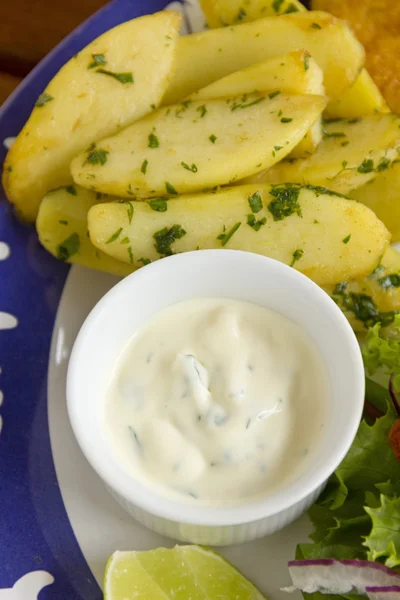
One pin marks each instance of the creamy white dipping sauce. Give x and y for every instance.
(218, 401)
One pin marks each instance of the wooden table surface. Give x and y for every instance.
(30, 28)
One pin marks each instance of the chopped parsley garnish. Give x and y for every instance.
(392, 280)
(43, 99)
(278, 148)
(97, 157)
(170, 188)
(144, 261)
(165, 237)
(63, 222)
(143, 168)
(316, 26)
(68, 247)
(159, 204)
(212, 138)
(121, 77)
(254, 223)
(191, 168)
(306, 61)
(114, 236)
(286, 120)
(333, 134)
(319, 191)
(276, 5)
(130, 253)
(225, 237)
(297, 254)
(153, 141)
(202, 110)
(362, 306)
(237, 105)
(71, 189)
(241, 15)
(255, 202)
(285, 201)
(366, 166)
(97, 60)
(130, 211)
(346, 239)
(274, 94)
(384, 164)
(125, 240)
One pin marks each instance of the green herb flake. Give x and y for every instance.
(292, 8)
(213, 138)
(366, 166)
(384, 164)
(121, 77)
(143, 168)
(316, 26)
(278, 148)
(202, 110)
(170, 188)
(240, 105)
(241, 15)
(71, 189)
(125, 240)
(276, 5)
(153, 141)
(114, 236)
(285, 201)
(286, 120)
(130, 253)
(333, 134)
(97, 60)
(306, 61)
(255, 202)
(320, 190)
(165, 237)
(316, 222)
(274, 94)
(43, 99)
(390, 281)
(191, 168)
(159, 204)
(9, 168)
(68, 247)
(144, 261)
(63, 222)
(225, 237)
(296, 256)
(346, 239)
(254, 223)
(97, 157)
(130, 210)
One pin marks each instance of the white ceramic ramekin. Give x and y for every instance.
(213, 273)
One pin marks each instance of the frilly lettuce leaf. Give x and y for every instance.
(383, 353)
(384, 539)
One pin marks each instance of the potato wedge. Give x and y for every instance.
(197, 145)
(361, 99)
(284, 74)
(351, 154)
(62, 228)
(382, 195)
(372, 299)
(115, 80)
(301, 227)
(207, 56)
(220, 13)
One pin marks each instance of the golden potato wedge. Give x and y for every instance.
(360, 99)
(382, 195)
(374, 298)
(220, 13)
(207, 56)
(351, 154)
(115, 80)
(197, 145)
(62, 228)
(327, 237)
(284, 74)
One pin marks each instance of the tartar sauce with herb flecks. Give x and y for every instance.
(217, 401)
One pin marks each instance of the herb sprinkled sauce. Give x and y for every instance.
(217, 401)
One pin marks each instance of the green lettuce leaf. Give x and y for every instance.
(384, 539)
(383, 353)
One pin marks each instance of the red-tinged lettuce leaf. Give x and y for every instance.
(383, 542)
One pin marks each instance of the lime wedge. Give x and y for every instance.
(183, 573)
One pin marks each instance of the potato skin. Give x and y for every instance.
(86, 101)
(305, 228)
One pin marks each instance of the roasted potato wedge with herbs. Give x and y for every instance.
(382, 195)
(204, 57)
(352, 153)
(115, 80)
(293, 73)
(322, 235)
(62, 228)
(197, 145)
(360, 99)
(220, 13)
(374, 298)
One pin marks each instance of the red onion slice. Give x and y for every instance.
(330, 576)
(391, 592)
